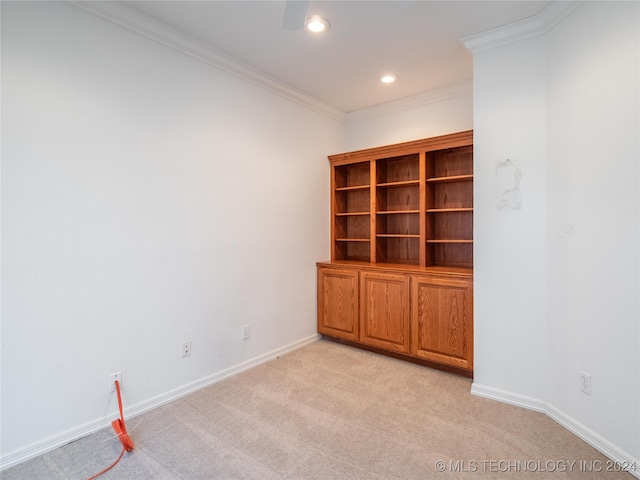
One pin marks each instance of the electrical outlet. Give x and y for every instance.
(112, 379)
(585, 382)
(246, 332)
(186, 348)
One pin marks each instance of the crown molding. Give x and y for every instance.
(539, 24)
(137, 22)
(425, 98)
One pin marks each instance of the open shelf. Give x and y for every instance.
(398, 249)
(347, 189)
(350, 249)
(352, 175)
(352, 201)
(450, 163)
(450, 195)
(399, 184)
(451, 253)
(396, 235)
(449, 241)
(400, 198)
(354, 227)
(400, 169)
(455, 178)
(398, 223)
(409, 203)
(396, 212)
(449, 210)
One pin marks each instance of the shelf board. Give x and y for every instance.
(352, 240)
(396, 212)
(347, 214)
(396, 235)
(353, 187)
(453, 178)
(401, 267)
(449, 241)
(445, 210)
(403, 261)
(399, 184)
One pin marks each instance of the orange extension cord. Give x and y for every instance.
(120, 428)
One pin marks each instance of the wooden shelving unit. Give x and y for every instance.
(352, 211)
(409, 203)
(449, 212)
(397, 208)
(400, 279)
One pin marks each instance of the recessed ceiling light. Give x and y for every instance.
(317, 24)
(388, 78)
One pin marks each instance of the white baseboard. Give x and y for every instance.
(618, 457)
(508, 397)
(51, 443)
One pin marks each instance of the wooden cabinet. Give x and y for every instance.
(407, 311)
(400, 279)
(441, 316)
(384, 321)
(338, 303)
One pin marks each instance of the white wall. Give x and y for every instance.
(145, 194)
(448, 110)
(147, 199)
(593, 193)
(510, 313)
(557, 279)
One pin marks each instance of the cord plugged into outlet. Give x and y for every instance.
(116, 376)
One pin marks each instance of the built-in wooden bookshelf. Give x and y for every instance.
(400, 279)
(409, 203)
(352, 211)
(449, 207)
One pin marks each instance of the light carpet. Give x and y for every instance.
(330, 411)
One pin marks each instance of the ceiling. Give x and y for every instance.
(417, 40)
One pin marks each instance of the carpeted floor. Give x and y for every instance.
(329, 411)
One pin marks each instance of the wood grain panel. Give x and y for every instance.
(398, 198)
(385, 311)
(398, 169)
(352, 201)
(398, 250)
(442, 320)
(452, 195)
(338, 303)
(353, 175)
(452, 162)
(353, 227)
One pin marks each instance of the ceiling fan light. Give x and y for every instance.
(317, 24)
(388, 78)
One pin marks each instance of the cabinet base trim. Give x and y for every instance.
(407, 358)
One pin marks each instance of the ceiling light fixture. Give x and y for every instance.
(317, 24)
(388, 78)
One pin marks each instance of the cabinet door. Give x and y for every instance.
(384, 311)
(442, 320)
(338, 303)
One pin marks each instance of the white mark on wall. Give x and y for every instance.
(565, 230)
(508, 177)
